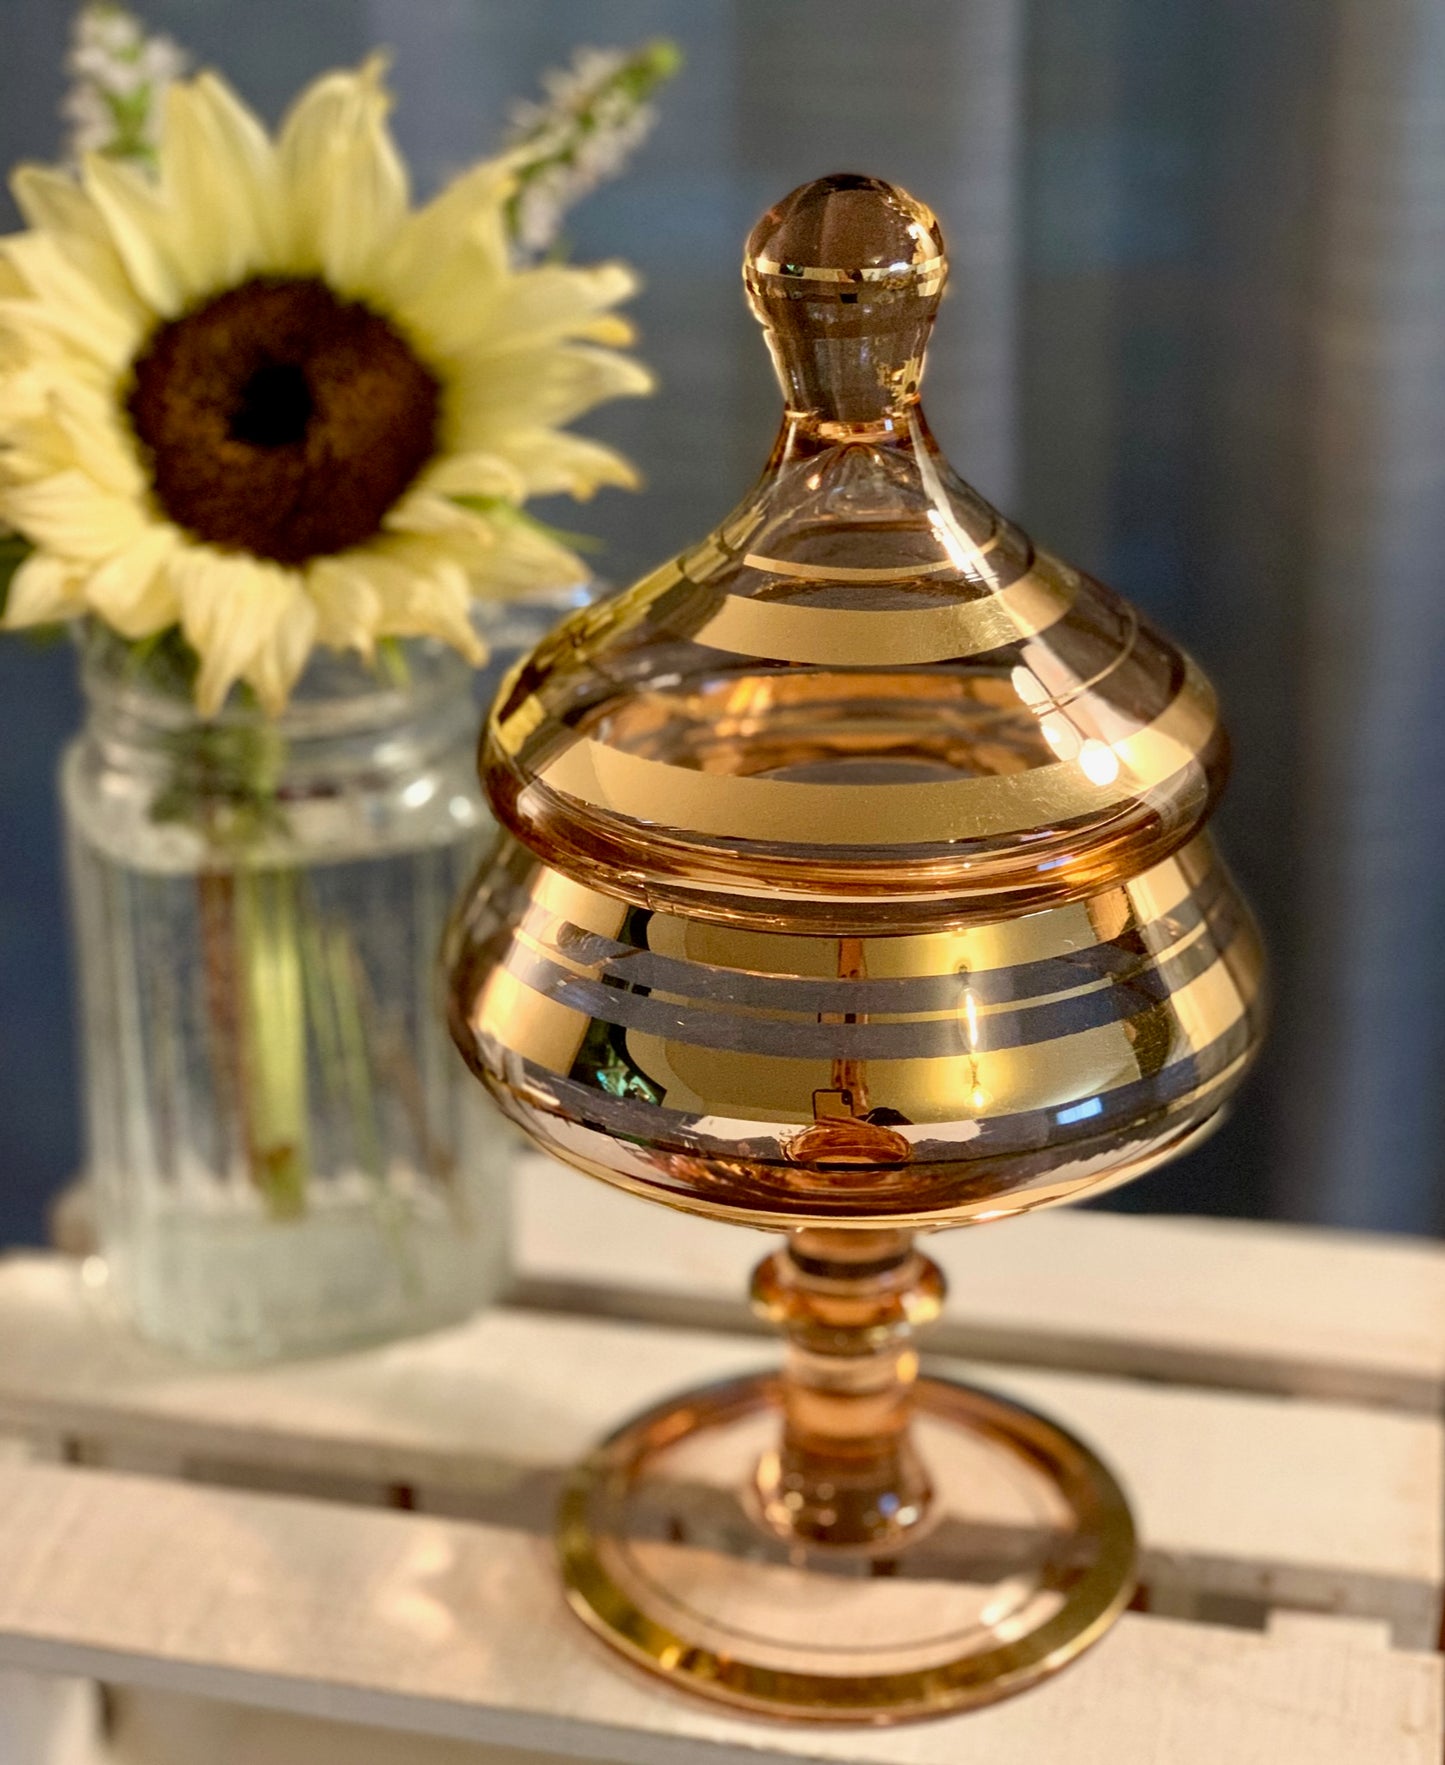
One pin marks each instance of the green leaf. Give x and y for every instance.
(392, 665)
(13, 552)
(163, 662)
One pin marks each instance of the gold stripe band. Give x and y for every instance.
(707, 1080)
(847, 637)
(846, 572)
(790, 812)
(923, 276)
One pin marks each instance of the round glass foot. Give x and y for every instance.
(1024, 1559)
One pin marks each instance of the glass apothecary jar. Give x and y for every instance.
(286, 1154)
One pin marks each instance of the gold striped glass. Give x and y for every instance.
(855, 882)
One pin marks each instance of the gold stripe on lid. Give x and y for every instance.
(787, 812)
(848, 637)
(926, 269)
(844, 572)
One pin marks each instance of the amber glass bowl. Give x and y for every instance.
(854, 881)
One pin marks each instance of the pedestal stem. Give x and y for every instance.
(846, 1472)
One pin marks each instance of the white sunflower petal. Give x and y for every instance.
(133, 591)
(219, 170)
(137, 220)
(421, 511)
(347, 182)
(347, 603)
(53, 203)
(610, 329)
(277, 665)
(44, 589)
(551, 461)
(524, 561)
(425, 594)
(108, 328)
(41, 335)
(98, 444)
(473, 474)
(71, 426)
(544, 305)
(449, 307)
(535, 389)
(231, 606)
(71, 514)
(36, 446)
(24, 394)
(369, 199)
(458, 241)
(329, 109)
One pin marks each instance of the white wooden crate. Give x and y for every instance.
(260, 1562)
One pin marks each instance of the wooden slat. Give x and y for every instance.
(46, 1719)
(450, 1629)
(1344, 1633)
(1209, 1302)
(169, 1728)
(1239, 1496)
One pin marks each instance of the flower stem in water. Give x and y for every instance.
(273, 1035)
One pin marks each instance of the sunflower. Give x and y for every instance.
(259, 397)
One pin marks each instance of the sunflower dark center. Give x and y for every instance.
(275, 407)
(281, 420)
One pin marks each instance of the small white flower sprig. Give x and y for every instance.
(119, 75)
(594, 116)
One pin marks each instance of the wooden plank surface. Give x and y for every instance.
(1325, 1506)
(171, 1728)
(1210, 1302)
(456, 1630)
(50, 1719)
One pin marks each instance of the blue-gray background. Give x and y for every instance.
(1195, 341)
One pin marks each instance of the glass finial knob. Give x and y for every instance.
(846, 274)
(846, 230)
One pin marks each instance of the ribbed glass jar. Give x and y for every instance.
(286, 1154)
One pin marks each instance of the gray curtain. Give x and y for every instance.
(1195, 341)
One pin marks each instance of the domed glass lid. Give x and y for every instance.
(866, 701)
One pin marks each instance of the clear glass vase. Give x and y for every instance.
(285, 1152)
